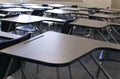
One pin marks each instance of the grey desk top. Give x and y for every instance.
(109, 11)
(16, 10)
(56, 5)
(60, 11)
(8, 35)
(70, 9)
(90, 23)
(25, 19)
(104, 16)
(56, 48)
(37, 7)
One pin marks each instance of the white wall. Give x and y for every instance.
(87, 3)
(116, 4)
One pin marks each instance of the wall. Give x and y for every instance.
(87, 3)
(116, 4)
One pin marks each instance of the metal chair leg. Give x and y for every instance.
(58, 74)
(37, 69)
(8, 69)
(101, 68)
(70, 72)
(88, 71)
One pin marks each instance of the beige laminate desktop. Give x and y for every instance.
(56, 48)
(9, 35)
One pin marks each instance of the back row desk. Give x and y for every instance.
(30, 19)
(64, 11)
(96, 25)
(56, 49)
(101, 16)
(14, 10)
(37, 7)
(8, 35)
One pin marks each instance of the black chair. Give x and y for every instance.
(74, 6)
(7, 26)
(108, 56)
(45, 5)
(39, 12)
(30, 27)
(67, 28)
(93, 10)
(5, 59)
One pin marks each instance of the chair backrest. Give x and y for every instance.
(67, 28)
(5, 59)
(7, 26)
(38, 12)
(11, 15)
(93, 10)
(74, 6)
(45, 5)
(14, 41)
(109, 55)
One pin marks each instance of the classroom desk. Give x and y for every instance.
(56, 5)
(12, 10)
(109, 11)
(94, 25)
(37, 7)
(110, 18)
(30, 19)
(60, 11)
(70, 9)
(26, 19)
(9, 5)
(56, 49)
(90, 23)
(9, 35)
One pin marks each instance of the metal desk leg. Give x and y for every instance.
(102, 35)
(70, 72)
(8, 69)
(88, 71)
(58, 74)
(102, 69)
(115, 30)
(107, 29)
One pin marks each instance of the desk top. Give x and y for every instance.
(8, 35)
(16, 10)
(37, 7)
(60, 11)
(109, 11)
(70, 9)
(57, 5)
(55, 48)
(25, 19)
(104, 16)
(90, 23)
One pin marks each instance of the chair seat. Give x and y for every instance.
(28, 28)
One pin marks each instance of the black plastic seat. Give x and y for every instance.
(39, 12)
(7, 26)
(74, 6)
(67, 28)
(5, 59)
(108, 56)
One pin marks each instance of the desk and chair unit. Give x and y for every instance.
(58, 50)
